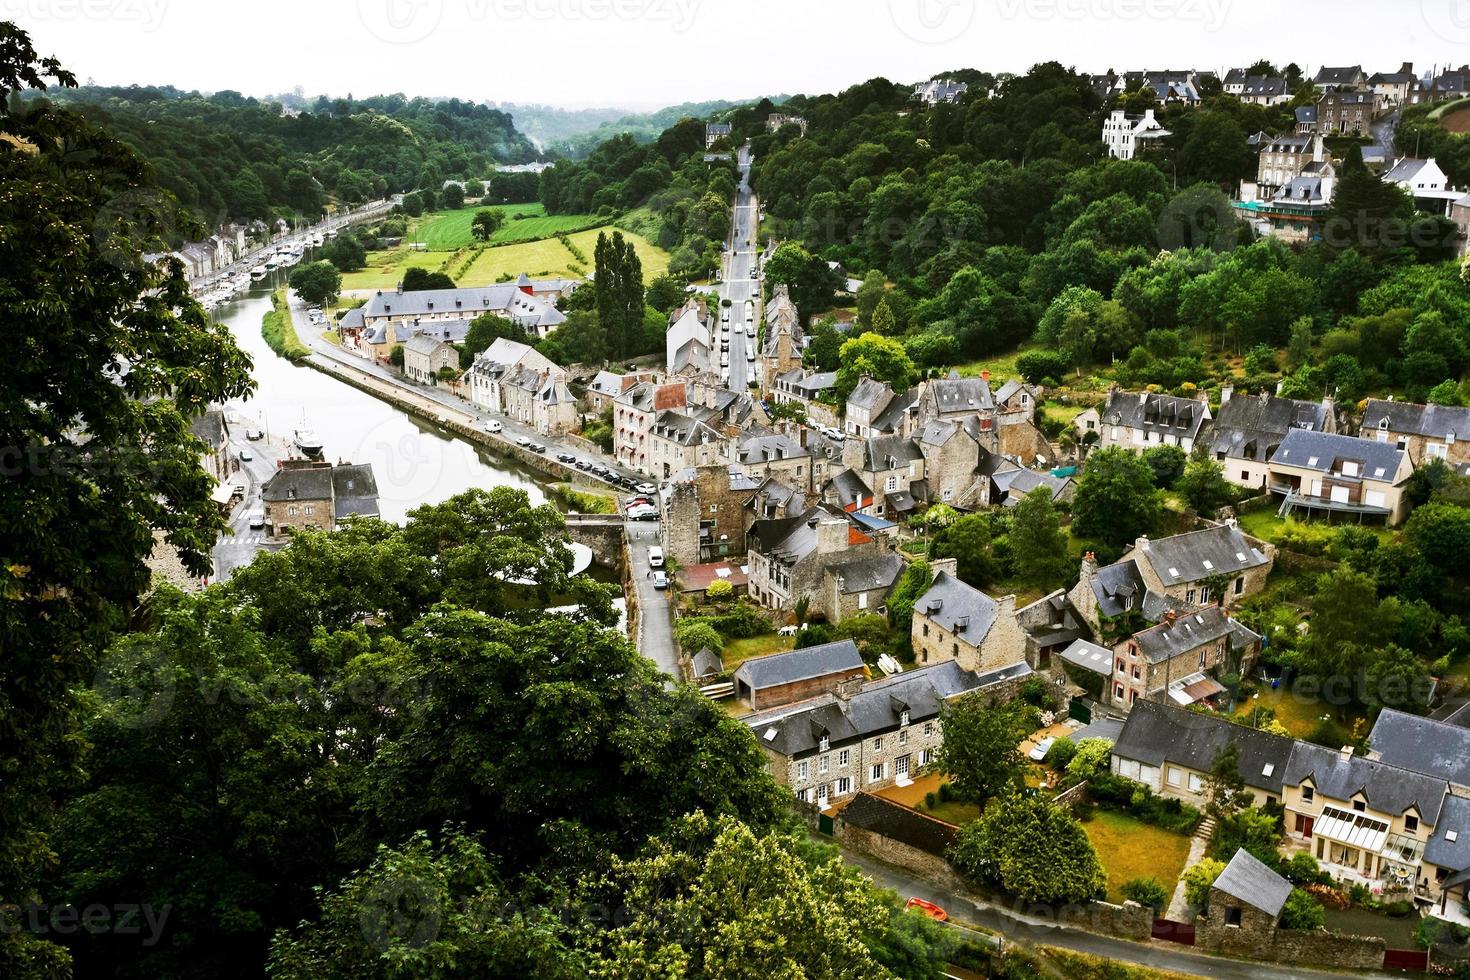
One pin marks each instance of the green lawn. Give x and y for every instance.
(1130, 848)
(445, 231)
(1264, 524)
(1300, 714)
(737, 652)
(1000, 366)
(953, 812)
(1062, 413)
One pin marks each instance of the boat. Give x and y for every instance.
(306, 440)
(258, 273)
(927, 908)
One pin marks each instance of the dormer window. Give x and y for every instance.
(903, 718)
(1411, 823)
(824, 744)
(1359, 806)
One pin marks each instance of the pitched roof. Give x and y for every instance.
(355, 489)
(879, 450)
(1436, 421)
(888, 419)
(210, 427)
(898, 822)
(707, 663)
(503, 298)
(1338, 76)
(422, 343)
(1247, 879)
(958, 608)
(1181, 417)
(1249, 427)
(1423, 745)
(870, 395)
(867, 574)
(298, 483)
(1090, 657)
(823, 660)
(1386, 788)
(962, 394)
(1156, 733)
(1188, 632)
(607, 383)
(1194, 555)
(1450, 845)
(1320, 451)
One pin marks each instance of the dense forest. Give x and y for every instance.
(227, 157)
(644, 127)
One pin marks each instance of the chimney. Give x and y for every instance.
(1170, 618)
(845, 689)
(1226, 390)
(1346, 752)
(985, 376)
(1141, 544)
(950, 565)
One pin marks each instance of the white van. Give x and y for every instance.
(655, 557)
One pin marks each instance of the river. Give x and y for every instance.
(414, 462)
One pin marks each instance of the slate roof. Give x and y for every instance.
(298, 483)
(962, 394)
(898, 822)
(1188, 632)
(1180, 417)
(850, 489)
(1015, 482)
(1320, 451)
(1454, 819)
(813, 384)
(355, 489)
(210, 427)
(422, 343)
(1387, 788)
(1250, 426)
(770, 446)
(707, 663)
(1306, 114)
(796, 730)
(1434, 421)
(823, 660)
(607, 383)
(958, 608)
(878, 450)
(1189, 557)
(1338, 76)
(1119, 588)
(1247, 879)
(870, 395)
(503, 298)
(1259, 87)
(1423, 745)
(1404, 171)
(683, 430)
(1090, 657)
(893, 413)
(867, 574)
(1156, 733)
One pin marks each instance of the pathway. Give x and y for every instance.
(1178, 910)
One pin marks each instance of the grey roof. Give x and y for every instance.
(1321, 450)
(1306, 114)
(870, 395)
(607, 383)
(1180, 417)
(1435, 421)
(1405, 170)
(1119, 588)
(1251, 427)
(504, 298)
(799, 665)
(299, 483)
(422, 343)
(1338, 76)
(1260, 87)
(958, 608)
(763, 447)
(796, 730)
(1387, 788)
(355, 490)
(879, 450)
(1188, 632)
(1008, 389)
(962, 394)
(1247, 879)
(1090, 657)
(707, 663)
(849, 488)
(818, 382)
(717, 128)
(1014, 482)
(211, 427)
(1221, 550)
(1454, 819)
(888, 419)
(895, 821)
(684, 430)
(867, 574)
(1435, 748)
(1156, 733)
(1108, 728)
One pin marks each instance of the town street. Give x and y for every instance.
(738, 287)
(241, 545)
(655, 639)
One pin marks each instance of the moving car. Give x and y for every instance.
(927, 908)
(254, 435)
(643, 512)
(660, 580)
(536, 447)
(566, 457)
(1038, 753)
(754, 273)
(257, 519)
(655, 557)
(646, 488)
(246, 455)
(493, 426)
(523, 441)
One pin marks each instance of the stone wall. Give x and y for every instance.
(911, 859)
(1325, 949)
(1127, 921)
(819, 414)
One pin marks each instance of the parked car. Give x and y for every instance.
(648, 488)
(660, 580)
(625, 482)
(1038, 753)
(523, 441)
(536, 447)
(643, 512)
(750, 354)
(246, 455)
(832, 433)
(655, 557)
(566, 457)
(754, 273)
(493, 426)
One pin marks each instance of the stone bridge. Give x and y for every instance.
(603, 533)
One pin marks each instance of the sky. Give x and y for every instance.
(644, 54)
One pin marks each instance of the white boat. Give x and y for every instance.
(306, 440)
(259, 272)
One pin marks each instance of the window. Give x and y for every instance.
(310, 509)
(1195, 782)
(1308, 794)
(890, 484)
(903, 717)
(926, 629)
(1411, 823)
(1240, 585)
(1189, 597)
(1232, 918)
(928, 728)
(824, 743)
(1359, 806)
(926, 757)
(876, 773)
(842, 756)
(1174, 776)
(862, 600)
(901, 766)
(878, 744)
(903, 738)
(844, 786)
(822, 764)
(801, 769)
(802, 794)
(1122, 666)
(290, 510)
(1118, 689)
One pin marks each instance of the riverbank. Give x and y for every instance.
(278, 331)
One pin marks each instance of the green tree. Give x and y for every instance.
(485, 330)
(618, 291)
(1257, 832)
(316, 282)
(1396, 678)
(1302, 911)
(1090, 760)
(1299, 347)
(883, 321)
(1038, 545)
(485, 223)
(473, 188)
(1147, 892)
(695, 634)
(811, 285)
(869, 294)
(881, 358)
(395, 356)
(1348, 621)
(1116, 500)
(968, 540)
(99, 459)
(981, 750)
(345, 252)
(415, 279)
(1199, 879)
(1367, 214)
(1224, 786)
(824, 351)
(453, 197)
(580, 339)
(1033, 850)
(1166, 463)
(664, 293)
(1203, 485)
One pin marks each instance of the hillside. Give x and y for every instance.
(642, 127)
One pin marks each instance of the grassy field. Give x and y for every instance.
(1130, 848)
(1300, 714)
(445, 231)
(1264, 524)
(278, 331)
(736, 652)
(544, 258)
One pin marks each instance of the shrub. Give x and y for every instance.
(719, 590)
(930, 800)
(1090, 759)
(945, 793)
(1038, 365)
(1061, 753)
(696, 634)
(1199, 879)
(1303, 869)
(1302, 912)
(742, 622)
(1399, 909)
(1146, 891)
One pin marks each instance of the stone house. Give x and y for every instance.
(1118, 592)
(952, 466)
(858, 586)
(774, 499)
(503, 358)
(890, 465)
(1425, 432)
(783, 678)
(305, 493)
(1282, 160)
(1182, 566)
(1137, 421)
(867, 736)
(689, 340)
(801, 386)
(1178, 659)
(678, 441)
(634, 412)
(955, 621)
(789, 558)
(1249, 429)
(762, 453)
(1346, 113)
(540, 399)
(714, 132)
(1316, 471)
(704, 513)
(425, 355)
(214, 431)
(1244, 906)
(1329, 79)
(784, 339)
(868, 400)
(426, 307)
(847, 490)
(1009, 485)
(606, 386)
(1392, 87)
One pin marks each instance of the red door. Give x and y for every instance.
(1304, 825)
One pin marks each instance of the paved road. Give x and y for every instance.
(1383, 130)
(655, 637)
(1033, 930)
(737, 286)
(242, 544)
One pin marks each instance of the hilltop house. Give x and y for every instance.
(870, 735)
(1328, 79)
(714, 132)
(1125, 133)
(1138, 421)
(1250, 428)
(1426, 182)
(1392, 87)
(1320, 471)
(1343, 113)
(938, 90)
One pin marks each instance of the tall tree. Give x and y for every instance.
(1037, 852)
(980, 751)
(316, 282)
(1116, 499)
(618, 290)
(94, 420)
(880, 358)
(1037, 543)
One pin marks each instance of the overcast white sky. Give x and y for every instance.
(649, 53)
